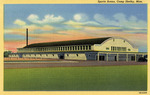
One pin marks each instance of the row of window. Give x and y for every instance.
(36, 54)
(63, 48)
(42, 54)
(123, 40)
(113, 48)
(78, 55)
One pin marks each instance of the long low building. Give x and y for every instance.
(101, 49)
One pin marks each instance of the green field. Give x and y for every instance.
(106, 78)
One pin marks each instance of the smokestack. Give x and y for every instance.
(26, 36)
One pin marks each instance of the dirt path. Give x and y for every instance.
(68, 64)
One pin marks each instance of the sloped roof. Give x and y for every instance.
(71, 42)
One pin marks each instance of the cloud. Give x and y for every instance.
(121, 20)
(87, 23)
(70, 22)
(46, 20)
(80, 17)
(11, 31)
(35, 27)
(120, 17)
(103, 20)
(31, 28)
(19, 22)
(101, 28)
(91, 23)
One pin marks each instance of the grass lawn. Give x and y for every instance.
(106, 78)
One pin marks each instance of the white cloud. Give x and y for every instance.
(121, 20)
(103, 20)
(80, 17)
(120, 17)
(132, 18)
(91, 23)
(35, 27)
(70, 22)
(32, 28)
(19, 22)
(87, 23)
(47, 19)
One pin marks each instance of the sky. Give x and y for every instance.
(61, 22)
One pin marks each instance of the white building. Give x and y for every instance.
(102, 49)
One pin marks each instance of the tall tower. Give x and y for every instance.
(26, 36)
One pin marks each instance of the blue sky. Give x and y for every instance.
(22, 11)
(76, 21)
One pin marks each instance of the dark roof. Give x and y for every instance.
(72, 42)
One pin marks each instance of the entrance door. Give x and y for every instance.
(101, 58)
(61, 57)
(20, 55)
(115, 58)
(132, 58)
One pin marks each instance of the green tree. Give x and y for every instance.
(6, 53)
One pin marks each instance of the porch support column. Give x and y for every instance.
(127, 57)
(98, 56)
(135, 57)
(117, 57)
(79, 48)
(106, 56)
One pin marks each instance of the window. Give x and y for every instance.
(56, 48)
(67, 54)
(75, 47)
(129, 49)
(119, 48)
(77, 54)
(113, 40)
(53, 54)
(124, 41)
(132, 58)
(81, 47)
(107, 48)
(65, 48)
(40, 49)
(89, 47)
(86, 47)
(78, 47)
(113, 48)
(68, 48)
(46, 54)
(123, 48)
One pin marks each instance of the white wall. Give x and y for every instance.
(81, 56)
(118, 42)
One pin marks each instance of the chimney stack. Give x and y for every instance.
(26, 36)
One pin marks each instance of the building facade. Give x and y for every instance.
(101, 49)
